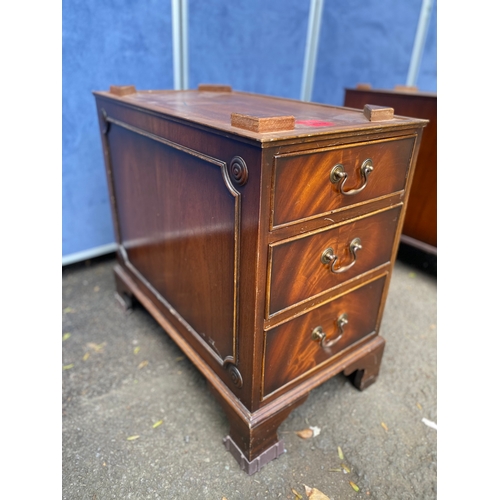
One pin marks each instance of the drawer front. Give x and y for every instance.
(296, 348)
(301, 268)
(302, 185)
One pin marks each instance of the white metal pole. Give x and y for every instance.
(185, 58)
(180, 43)
(313, 29)
(419, 43)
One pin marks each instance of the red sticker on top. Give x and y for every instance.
(314, 123)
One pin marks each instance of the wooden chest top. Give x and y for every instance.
(215, 109)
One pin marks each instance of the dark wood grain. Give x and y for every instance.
(213, 110)
(296, 270)
(421, 215)
(317, 195)
(364, 371)
(185, 250)
(220, 231)
(290, 350)
(168, 187)
(254, 433)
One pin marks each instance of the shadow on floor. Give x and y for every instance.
(417, 258)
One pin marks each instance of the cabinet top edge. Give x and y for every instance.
(214, 109)
(393, 92)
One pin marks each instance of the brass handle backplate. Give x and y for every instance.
(319, 335)
(328, 257)
(339, 175)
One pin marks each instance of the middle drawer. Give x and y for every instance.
(307, 266)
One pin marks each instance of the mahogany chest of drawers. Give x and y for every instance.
(260, 233)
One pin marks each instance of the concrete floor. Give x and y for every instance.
(122, 374)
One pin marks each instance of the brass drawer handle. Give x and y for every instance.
(338, 174)
(319, 335)
(329, 257)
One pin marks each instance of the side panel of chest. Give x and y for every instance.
(180, 226)
(186, 224)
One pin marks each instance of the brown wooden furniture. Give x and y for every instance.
(420, 224)
(266, 256)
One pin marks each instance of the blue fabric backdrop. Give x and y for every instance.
(253, 45)
(104, 42)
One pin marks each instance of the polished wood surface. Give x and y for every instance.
(290, 350)
(420, 225)
(163, 229)
(296, 270)
(213, 109)
(364, 371)
(220, 232)
(296, 201)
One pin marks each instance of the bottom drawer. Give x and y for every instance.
(298, 347)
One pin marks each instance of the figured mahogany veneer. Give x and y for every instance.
(296, 270)
(289, 351)
(297, 201)
(269, 270)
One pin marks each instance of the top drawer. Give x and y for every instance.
(302, 185)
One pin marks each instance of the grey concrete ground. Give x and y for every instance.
(122, 374)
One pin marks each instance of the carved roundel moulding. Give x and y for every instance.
(238, 170)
